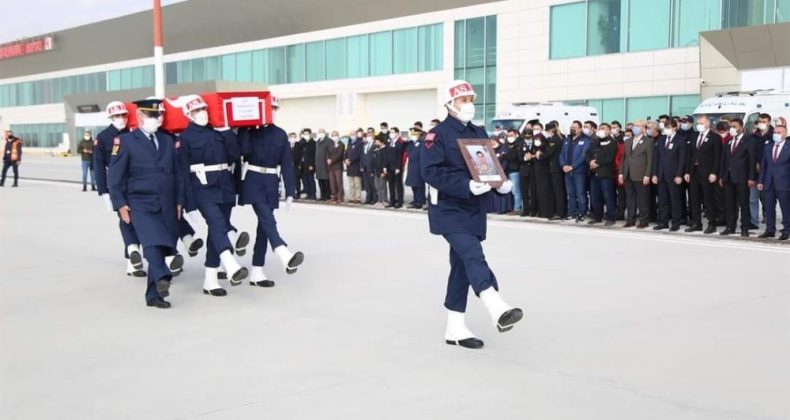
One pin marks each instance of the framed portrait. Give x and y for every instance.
(482, 162)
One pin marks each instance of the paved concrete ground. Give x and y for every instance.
(619, 325)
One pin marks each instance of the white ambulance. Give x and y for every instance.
(519, 114)
(746, 105)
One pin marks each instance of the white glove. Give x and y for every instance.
(106, 199)
(288, 202)
(505, 188)
(221, 129)
(478, 188)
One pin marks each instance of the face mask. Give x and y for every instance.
(762, 126)
(201, 118)
(587, 132)
(733, 131)
(649, 132)
(369, 139)
(496, 132)
(86, 137)
(600, 133)
(393, 136)
(150, 125)
(292, 139)
(637, 131)
(626, 138)
(661, 126)
(546, 134)
(335, 138)
(666, 132)
(413, 137)
(511, 139)
(119, 123)
(777, 138)
(685, 126)
(538, 143)
(466, 113)
(615, 131)
(700, 128)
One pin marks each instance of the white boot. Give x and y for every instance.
(236, 272)
(135, 256)
(211, 285)
(175, 264)
(502, 314)
(258, 278)
(458, 334)
(131, 271)
(289, 260)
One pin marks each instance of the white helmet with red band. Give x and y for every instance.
(116, 108)
(275, 102)
(192, 103)
(457, 89)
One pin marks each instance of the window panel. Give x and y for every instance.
(490, 82)
(357, 56)
(137, 77)
(148, 76)
(603, 26)
(212, 68)
(567, 30)
(296, 63)
(381, 54)
(198, 70)
(244, 67)
(692, 17)
(460, 74)
(314, 61)
(491, 31)
(476, 77)
(641, 108)
(684, 104)
(475, 42)
(229, 67)
(336, 59)
(782, 11)
(185, 71)
(406, 50)
(738, 13)
(612, 110)
(260, 65)
(431, 43)
(171, 73)
(460, 44)
(276, 66)
(648, 24)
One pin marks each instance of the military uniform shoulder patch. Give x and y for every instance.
(429, 139)
(116, 145)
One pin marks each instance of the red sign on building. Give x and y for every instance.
(27, 47)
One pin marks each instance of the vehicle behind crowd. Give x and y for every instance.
(745, 105)
(518, 115)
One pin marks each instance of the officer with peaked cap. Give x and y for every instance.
(264, 149)
(146, 188)
(207, 156)
(118, 115)
(458, 213)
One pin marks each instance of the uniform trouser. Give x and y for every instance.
(518, 183)
(602, 192)
(576, 184)
(324, 188)
(336, 184)
(217, 217)
(128, 234)
(308, 179)
(560, 199)
(395, 182)
(701, 191)
(355, 188)
(637, 196)
(468, 267)
(370, 188)
(754, 205)
(653, 202)
(87, 167)
(265, 234)
(7, 165)
(771, 197)
(157, 269)
(184, 228)
(669, 202)
(298, 179)
(736, 196)
(419, 194)
(381, 189)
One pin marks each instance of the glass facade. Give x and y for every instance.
(475, 61)
(51, 90)
(631, 109)
(40, 135)
(595, 27)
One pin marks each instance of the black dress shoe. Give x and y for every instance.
(727, 231)
(177, 264)
(674, 228)
(239, 276)
(215, 292)
(744, 233)
(137, 273)
(295, 261)
(629, 224)
(784, 236)
(767, 235)
(194, 247)
(710, 229)
(642, 225)
(593, 222)
(262, 283)
(159, 303)
(508, 319)
(693, 228)
(660, 227)
(221, 275)
(468, 343)
(752, 227)
(241, 244)
(163, 288)
(609, 223)
(136, 259)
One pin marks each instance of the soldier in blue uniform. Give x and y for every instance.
(263, 150)
(414, 172)
(458, 213)
(207, 157)
(146, 188)
(102, 145)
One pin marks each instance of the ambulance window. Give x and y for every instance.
(750, 122)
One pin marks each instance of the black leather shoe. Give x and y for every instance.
(727, 231)
(262, 283)
(137, 273)
(593, 222)
(629, 224)
(642, 225)
(194, 247)
(674, 228)
(693, 228)
(744, 233)
(163, 288)
(241, 243)
(215, 292)
(159, 303)
(609, 223)
(136, 259)
(767, 235)
(239, 276)
(784, 237)
(508, 319)
(752, 227)
(660, 227)
(710, 229)
(177, 264)
(221, 275)
(295, 261)
(469, 343)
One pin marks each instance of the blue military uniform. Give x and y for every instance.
(455, 213)
(101, 162)
(215, 199)
(414, 173)
(266, 147)
(145, 176)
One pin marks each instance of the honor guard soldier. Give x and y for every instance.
(207, 158)
(458, 213)
(118, 115)
(146, 188)
(264, 149)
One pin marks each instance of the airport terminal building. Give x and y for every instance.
(341, 64)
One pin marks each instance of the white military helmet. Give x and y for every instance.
(116, 108)
(193, 102)
(457, 89)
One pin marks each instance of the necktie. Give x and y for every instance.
(669, 141)
(776, 153)
(153, 141)
(734, 146)
(699, 141)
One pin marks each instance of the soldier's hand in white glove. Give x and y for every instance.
(478, 188)
(288, 202)
(505, 188)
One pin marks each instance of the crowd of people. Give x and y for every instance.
(670, 172)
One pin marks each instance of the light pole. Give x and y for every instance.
(159, 63)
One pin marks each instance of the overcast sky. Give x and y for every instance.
(26, 18)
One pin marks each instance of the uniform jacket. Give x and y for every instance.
(102, 147)
(209, 147)
(414, 172)
(267, 147)
(308, 155)
(669, 161)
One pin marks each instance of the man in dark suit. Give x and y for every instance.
(368, 173)
(669, 165)
(775, 182)
(308, 163)
(354, 166)
(737, 176)
(396, 157)
(635, 174)
(550, 153)
(297, 150)
(702, 173)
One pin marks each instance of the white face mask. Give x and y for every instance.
(600, 134)
(466, 113)
(661, 126)
(394, 136)
(685, 126)
(86, 137)
(305, 136)
(667, 132)
(119, 123)
(587, 132)
(511, 139)
(413, 137)
(201, 118)
(762, 126)
(615, 131)
(538, 143)
(321, 135)
(700, 128)
(777, 138)
(733, 131)
(335, 138)
(546, 134)
(369, 139)
(150, 125)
